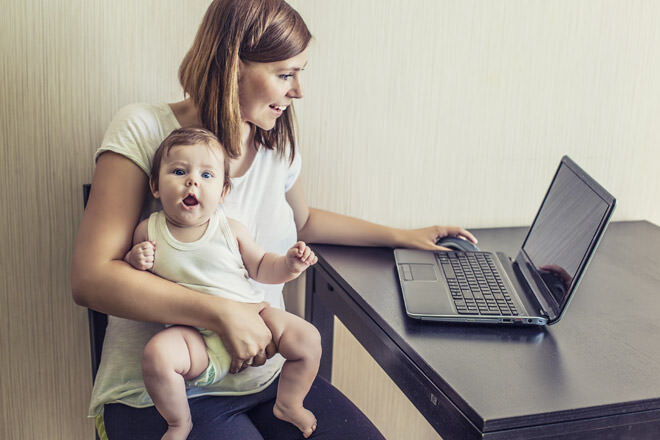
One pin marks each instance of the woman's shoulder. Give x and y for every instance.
(143, 118)
(136, 130)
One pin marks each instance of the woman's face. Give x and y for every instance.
(265, 90)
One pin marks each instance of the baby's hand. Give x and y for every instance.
(141, 256)
(300, 257)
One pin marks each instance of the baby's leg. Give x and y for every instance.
(300, 344)
(171, 357)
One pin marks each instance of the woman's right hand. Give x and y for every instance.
(245, 335)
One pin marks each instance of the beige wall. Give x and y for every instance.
(432, 111)
(415, 113)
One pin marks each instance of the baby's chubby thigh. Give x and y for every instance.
(178, 349)
(294, 337)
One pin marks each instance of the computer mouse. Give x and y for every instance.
(457, 244)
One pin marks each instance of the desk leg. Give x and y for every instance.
(318, 314)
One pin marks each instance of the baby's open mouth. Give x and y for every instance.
(190, 200)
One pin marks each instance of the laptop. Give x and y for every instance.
(533, 289)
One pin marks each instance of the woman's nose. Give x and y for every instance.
(297, 90)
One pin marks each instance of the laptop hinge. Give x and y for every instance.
(548, 305)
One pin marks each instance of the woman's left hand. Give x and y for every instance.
(425, 238)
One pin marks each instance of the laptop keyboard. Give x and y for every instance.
(475, 285)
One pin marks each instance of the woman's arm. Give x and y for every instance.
(102, 281)
(319, 226)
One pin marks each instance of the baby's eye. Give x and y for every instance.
(207, 175)
(179, 172)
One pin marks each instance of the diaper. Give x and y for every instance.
(219, 361)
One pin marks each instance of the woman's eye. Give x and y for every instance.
(207, 175)
(179, 172)
(286, 76)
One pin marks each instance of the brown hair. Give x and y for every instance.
(188, 136)
(249, 30)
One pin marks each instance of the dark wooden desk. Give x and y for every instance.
(595, 374)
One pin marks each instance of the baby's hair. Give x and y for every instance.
(188, 136)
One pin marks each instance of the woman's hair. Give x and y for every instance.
(250, 30)
(188, 136)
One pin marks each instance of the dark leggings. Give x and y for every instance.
(247, 417)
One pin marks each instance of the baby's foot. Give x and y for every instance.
(300, 417)
(177, 432)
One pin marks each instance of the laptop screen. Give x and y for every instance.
(565, 227)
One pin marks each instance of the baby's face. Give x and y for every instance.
(190, 183)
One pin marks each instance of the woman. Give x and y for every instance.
(240, 76)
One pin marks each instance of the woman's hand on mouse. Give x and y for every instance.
(425, 238)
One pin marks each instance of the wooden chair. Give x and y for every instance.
(97, 321)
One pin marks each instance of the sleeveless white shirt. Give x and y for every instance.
(211, 264)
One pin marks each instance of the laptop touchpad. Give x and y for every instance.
(423, 272)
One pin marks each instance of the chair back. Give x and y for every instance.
(97, 321)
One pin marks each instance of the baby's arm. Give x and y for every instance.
(267, 267)
(141, 255)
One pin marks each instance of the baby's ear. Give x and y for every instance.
(154, 191)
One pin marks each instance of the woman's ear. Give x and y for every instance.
(241, 68)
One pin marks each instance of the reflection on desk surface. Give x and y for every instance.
(485, 333)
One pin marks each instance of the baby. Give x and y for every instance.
(192, 243)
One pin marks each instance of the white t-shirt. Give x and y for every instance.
(257, 199)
